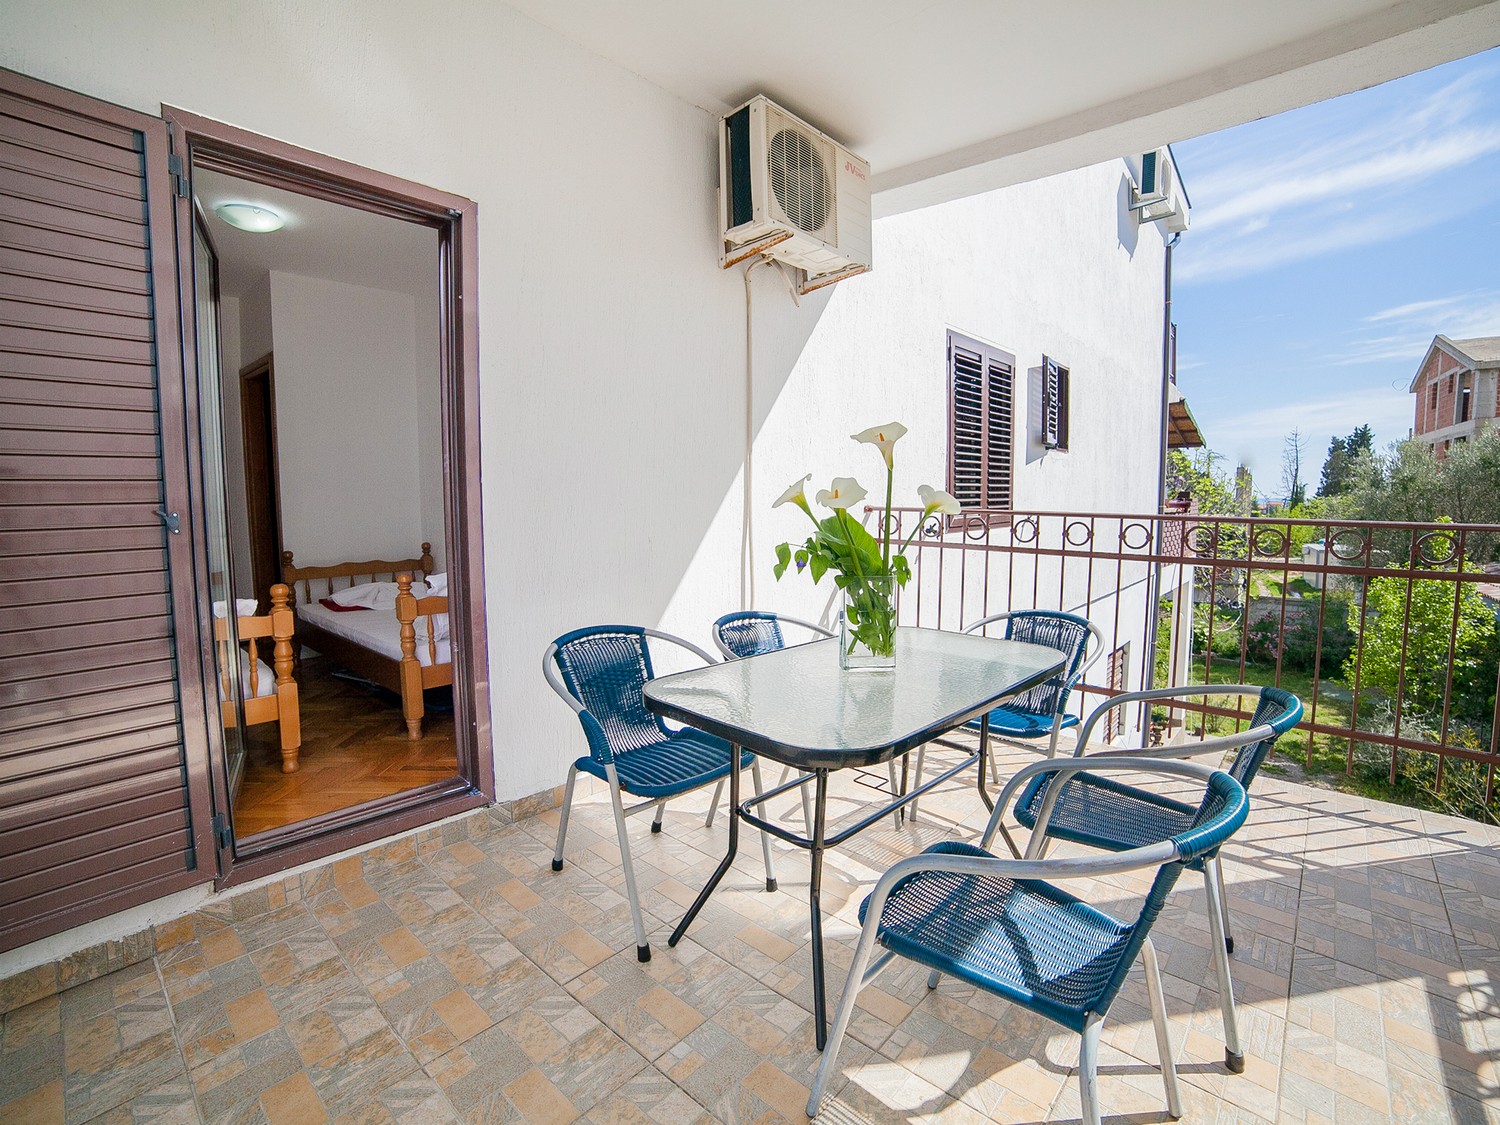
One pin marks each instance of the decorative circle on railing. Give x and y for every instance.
(933, 528)
(1348, 543)
(1084, 531)
(1268, 541)
(1025, 530)
(1127, 534)
(976, 528)
(1431, 542)
(1201, 539)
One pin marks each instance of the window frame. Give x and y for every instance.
(995, 366)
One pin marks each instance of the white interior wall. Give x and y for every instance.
(234, 447)
(256, 337)
(346, 409)
(427, 386)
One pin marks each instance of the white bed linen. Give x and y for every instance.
(377, 630)
(265, 683)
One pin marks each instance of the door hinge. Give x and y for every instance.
(179, 175)
(223, 835)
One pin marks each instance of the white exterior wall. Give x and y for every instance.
(612, 346)
(1056, 267)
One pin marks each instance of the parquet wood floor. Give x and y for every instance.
(354, 750)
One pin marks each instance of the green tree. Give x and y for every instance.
(1335, 468)
(1342, 453)
(1408, 484)
(1408, 654)
(1201, 477)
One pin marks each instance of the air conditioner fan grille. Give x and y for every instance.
(799, 179)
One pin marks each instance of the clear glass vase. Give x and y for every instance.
(867, 625)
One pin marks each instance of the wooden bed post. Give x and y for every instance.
(427, 560)
(412, 706)
(283, 654)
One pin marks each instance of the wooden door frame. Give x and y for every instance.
(265, 365)
(202, 143)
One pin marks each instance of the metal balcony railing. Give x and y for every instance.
(1387, 631)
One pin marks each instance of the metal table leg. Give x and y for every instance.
(728, 861)
(815, 906)
(984, 759)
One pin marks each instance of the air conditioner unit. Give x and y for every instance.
(792, 193)
(1159, 196)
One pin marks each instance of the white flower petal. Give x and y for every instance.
(793, 493)
(885, 437)
(936, 500)
(844, 492)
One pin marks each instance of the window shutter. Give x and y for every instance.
(1054, 404)
(97, 811)
(966, 443)
(999, 406)
(980, 404)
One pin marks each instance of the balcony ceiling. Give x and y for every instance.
(953, 97)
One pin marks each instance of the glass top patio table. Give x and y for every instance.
(799, 707)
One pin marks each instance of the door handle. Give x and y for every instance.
(173, 524)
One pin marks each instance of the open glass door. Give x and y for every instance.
(227, 655)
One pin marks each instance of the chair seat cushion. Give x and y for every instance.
(1106, 814)
(1021, 939)
(1023, 724)
(683, 761)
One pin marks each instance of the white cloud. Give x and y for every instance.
(1255, 438)
(1304, 186)
(1406, 331)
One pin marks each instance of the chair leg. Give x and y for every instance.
(642, 946)
(1234, 1057)
(862, 952)
(562, 824)
(765, 837)
(661, 808)
(1224, 905)
(1088, 1070)
(1159, 1020)
(933, 978)
(1056, 730)
(713, 805)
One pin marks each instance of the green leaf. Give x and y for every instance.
(817, 566)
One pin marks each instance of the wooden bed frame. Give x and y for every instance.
(407, 677)
(280, 707)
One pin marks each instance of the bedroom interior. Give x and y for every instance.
(319, 377)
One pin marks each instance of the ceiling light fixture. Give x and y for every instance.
(247, 216)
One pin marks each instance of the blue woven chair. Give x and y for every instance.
(751, 632)
(1101, 812)
(600, 673)
(1002, 926)
(1041, 712)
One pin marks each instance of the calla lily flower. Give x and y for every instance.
(935, 500)
(845, 492)
(795, 494)
(885, 437)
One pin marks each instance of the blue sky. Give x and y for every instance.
(1328, 246)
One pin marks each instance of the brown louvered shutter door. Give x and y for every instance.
(998, 412)
(966, 422)
(99, 801)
